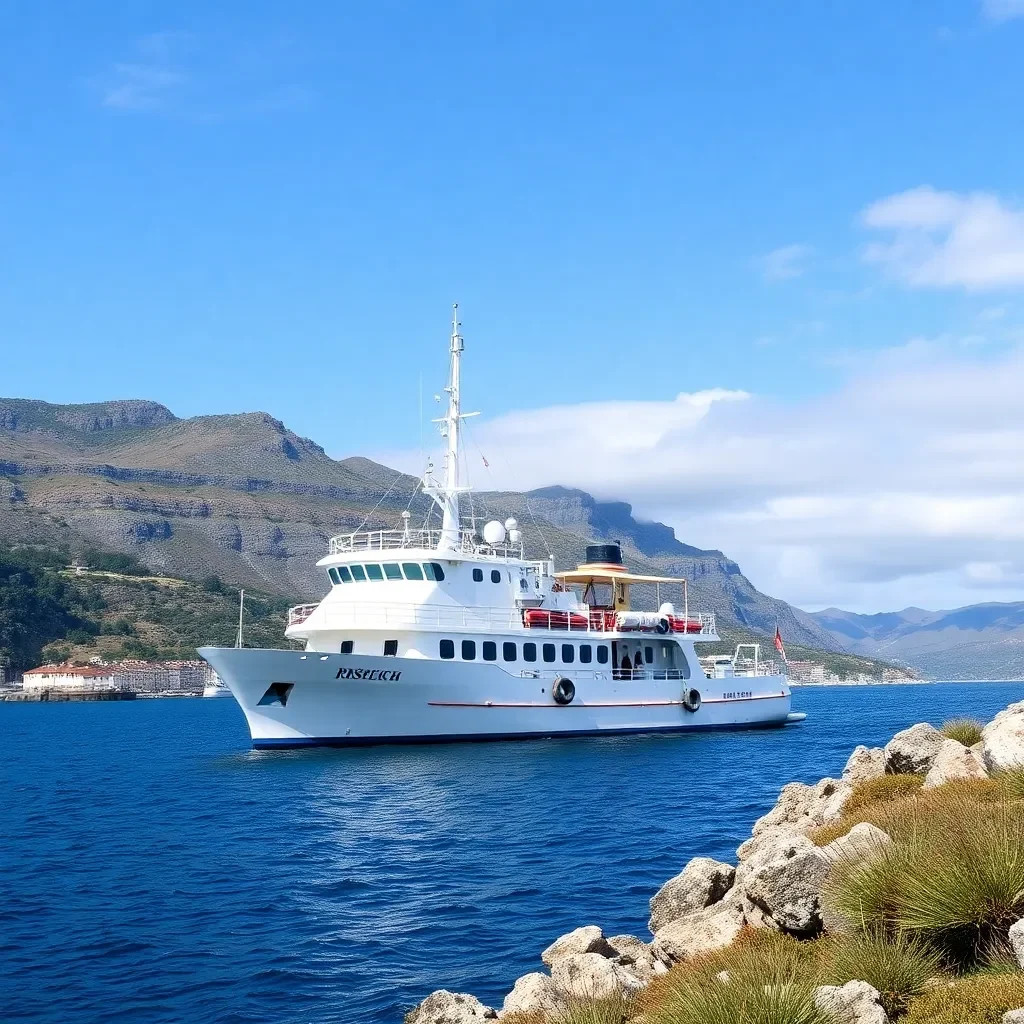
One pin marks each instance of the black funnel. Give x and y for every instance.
(608, 554)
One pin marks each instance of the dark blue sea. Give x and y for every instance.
(154, 868)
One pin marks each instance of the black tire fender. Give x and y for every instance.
(563, 691)
(691, 699)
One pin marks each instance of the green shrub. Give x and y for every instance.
(614, 1010)
(954, 876)
(1011, 782)
(980, 999)
(771, 981)
(881, 790)
(964, 730)
(898, 966)
(865, 801)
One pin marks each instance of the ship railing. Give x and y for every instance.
(377, 615)
(467, 543)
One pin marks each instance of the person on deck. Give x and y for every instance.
(627, 667)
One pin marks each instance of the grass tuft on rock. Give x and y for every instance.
(978, 999)
(898, 966)
(771, 980)
(964, 730)
(954, 877)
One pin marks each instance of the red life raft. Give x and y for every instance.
(681, 625)
(538, 618)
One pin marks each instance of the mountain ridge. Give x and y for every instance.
(243, 497)
(983, 640)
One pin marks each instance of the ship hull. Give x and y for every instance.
(301, 699)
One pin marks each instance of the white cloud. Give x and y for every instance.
(1002, 10)
(176, 74)
(905, 486)
(947, 239)
(154, 79)
(784, 263)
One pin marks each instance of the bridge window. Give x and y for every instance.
(586, 653)
(343, 574)
(568, 654)
(433, 571)
(412, 571)
(490, 650)
(468, 650)
(478, 575)
(495, 576)
(358, 574)
(602, 654)
(649, 655)
(529, 651)
(508, 651)
(548, 652)
(375, 572)
(333, 573)
(447, 649)
(346, 646)
(390, 648)
(392, 571)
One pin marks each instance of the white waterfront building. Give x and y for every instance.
(439, 632)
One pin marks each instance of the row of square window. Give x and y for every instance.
(388, 571)
(509, 652)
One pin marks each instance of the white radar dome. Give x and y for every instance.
(494, 532)
(514, 536)
(510, 524)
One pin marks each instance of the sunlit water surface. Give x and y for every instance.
(154, 868)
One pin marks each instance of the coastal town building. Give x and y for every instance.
(805, 671)
(70, 678)
(171, 677)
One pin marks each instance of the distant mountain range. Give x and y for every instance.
(243, 498)
(979, 641)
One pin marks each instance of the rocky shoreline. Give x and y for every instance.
(777, 883)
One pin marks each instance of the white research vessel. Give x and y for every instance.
(442, 634)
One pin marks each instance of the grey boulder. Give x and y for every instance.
(1014, 1016)
(592, 976)
(533, 993)
(861, 843)
(912, 751)
(702, 882)
(444, 1007)
(588, 939)
(1003, 739)
(800, 808)
(864, 764)
(703, 931)
(785, 881)
(952, 762)
(1017, 941)
(856, 1002)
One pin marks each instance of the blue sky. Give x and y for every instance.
(240, 206)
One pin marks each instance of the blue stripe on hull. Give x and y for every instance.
(484, 737)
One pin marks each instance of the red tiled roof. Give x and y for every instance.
(88, 671)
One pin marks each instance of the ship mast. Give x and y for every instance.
(447, 497)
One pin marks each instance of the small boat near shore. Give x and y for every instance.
(445, 632)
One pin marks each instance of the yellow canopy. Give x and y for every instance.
(595, 574)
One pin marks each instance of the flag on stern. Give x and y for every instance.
(778, 642)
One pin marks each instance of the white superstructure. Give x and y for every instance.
(439, 633)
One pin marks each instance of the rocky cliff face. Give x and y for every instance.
(246, 499)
